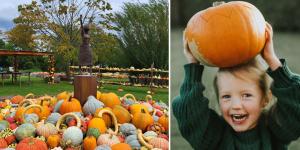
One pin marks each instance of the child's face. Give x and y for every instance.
(241, 101)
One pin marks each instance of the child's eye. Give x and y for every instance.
(225, 96)
(247, 95)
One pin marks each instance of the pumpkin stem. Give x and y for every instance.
(70, 97)
(143, 110)
(217, 3)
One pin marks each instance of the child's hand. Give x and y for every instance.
(268, 52)
(187, 52)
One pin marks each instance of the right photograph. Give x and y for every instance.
(235, 75)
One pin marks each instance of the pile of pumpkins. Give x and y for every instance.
(105, 122)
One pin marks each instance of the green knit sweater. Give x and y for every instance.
(204, 129)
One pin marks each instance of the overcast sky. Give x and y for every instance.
(8, 10)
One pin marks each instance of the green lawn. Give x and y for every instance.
(39, 87)
(287, 46)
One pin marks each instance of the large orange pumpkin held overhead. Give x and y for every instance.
(226, 34)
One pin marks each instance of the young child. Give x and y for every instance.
(242, 93)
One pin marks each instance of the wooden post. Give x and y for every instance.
(84, 86)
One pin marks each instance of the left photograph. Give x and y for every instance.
(84, 74)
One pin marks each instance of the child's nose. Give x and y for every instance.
(236, 104)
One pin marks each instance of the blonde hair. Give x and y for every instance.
(252, 70)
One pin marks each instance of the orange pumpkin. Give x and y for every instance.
(53, 140)
(164, 121)
(89, 143)
(142, 119)
(110, 99)
(21, 108)
(98, 123)
(63, 95)
(106, 117)
(135, 108)
(3, 143)
(16, 99)
(122, 146)
(32, 144)
(42, 111)
(227, 34)
(70, 105)
(123, 116)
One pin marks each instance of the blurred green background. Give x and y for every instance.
(284, 16)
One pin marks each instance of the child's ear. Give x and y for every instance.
(267, 98)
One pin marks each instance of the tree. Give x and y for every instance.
(56, 23)
(107, 49)
(22, 36)
(144, 32)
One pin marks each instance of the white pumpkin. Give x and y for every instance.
(92, 105)
(107, 139)
(74, 135)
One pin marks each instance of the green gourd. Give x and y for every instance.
(25, 130)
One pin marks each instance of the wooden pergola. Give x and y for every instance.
(51, 68)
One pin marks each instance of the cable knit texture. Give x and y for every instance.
(204, 129)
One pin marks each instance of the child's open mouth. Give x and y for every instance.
(239, 118)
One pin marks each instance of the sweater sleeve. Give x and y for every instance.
(284, 116)
(198, 124)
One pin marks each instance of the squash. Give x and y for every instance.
(3, 143)
(132, 140)
(110, 99)
(127, 129)
(128, 99)
(121, 146)
(70, 105)
(16, 99)
(156, 127)
(4, 124)
(107, 139)
(136, 108)
(57, 106)
(47, 100)
(142, 120)
(63, 96)
(110, 138)
(53, 118)
(72, 135)
(31, 144)
(103, 147)
(150, 134)
(31, 118)
(92, 105)
(97, 123)
(25, 130)
(164, 121)
(62, 119)
(226, 35)
(42, 111)
(46, 129)
(98, 95)
(20, 110)
(151, 143)
(53, 140)
(123, 116)
(93, 132)
(89, 143)
(8, 136)
(106, 117)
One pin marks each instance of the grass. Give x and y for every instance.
(286, 46)
(39, 87)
